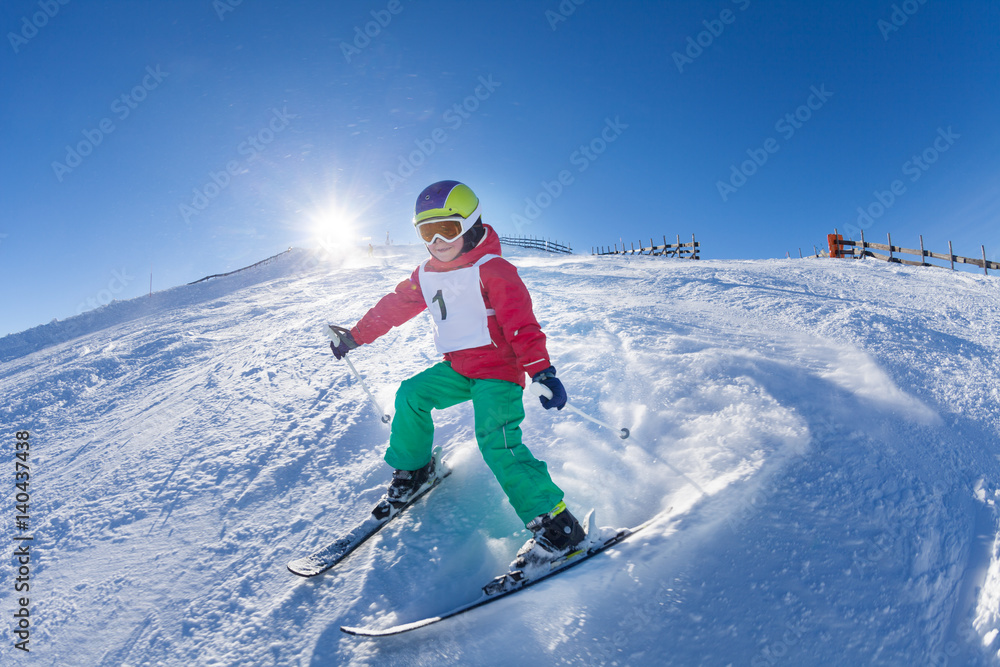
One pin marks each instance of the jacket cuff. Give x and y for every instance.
(549, 372)
(356, 335)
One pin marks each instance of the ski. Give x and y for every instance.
(325, 558)
(513, 582)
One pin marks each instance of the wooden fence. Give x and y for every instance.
(860, 249)
(252, 266)
(678, 250)
(536, 244)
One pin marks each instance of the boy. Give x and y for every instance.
(485, 327)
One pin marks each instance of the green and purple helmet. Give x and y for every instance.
(447, 209)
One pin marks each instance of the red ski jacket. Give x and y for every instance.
(518, 344)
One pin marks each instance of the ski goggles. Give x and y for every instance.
(447, 229)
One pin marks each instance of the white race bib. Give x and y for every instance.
(455, 302)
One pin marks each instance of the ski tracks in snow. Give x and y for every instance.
(750, 394)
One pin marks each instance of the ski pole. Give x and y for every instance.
(539, 389)
(383, 415)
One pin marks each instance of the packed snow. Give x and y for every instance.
(824, 434)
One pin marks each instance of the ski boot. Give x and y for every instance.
(404, 486)
(557, 535)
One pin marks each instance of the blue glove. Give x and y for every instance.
(341, 341)
(548, 379)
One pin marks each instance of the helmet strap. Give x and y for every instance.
(474, 236)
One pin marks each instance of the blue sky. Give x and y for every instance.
(187, 138)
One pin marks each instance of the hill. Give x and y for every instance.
(841, 417)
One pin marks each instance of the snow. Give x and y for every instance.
(825, 432)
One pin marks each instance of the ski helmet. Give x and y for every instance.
(448, 209)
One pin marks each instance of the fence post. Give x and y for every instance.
(864, 246)
(833, 240)
(888, 238)
(951, 256)
(922, 253)
(985, 271)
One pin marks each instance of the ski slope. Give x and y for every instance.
(839, 421)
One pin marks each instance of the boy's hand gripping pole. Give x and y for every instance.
(384, 416)
(539, 389)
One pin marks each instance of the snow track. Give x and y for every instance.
(842, 419)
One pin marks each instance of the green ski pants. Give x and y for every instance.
(499, 410)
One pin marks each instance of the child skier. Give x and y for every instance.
(488, 334)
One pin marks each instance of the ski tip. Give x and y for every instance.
(363, 632)
(387, 632)
(309, 566)
(300, 571)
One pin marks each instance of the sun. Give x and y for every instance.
(333, 227)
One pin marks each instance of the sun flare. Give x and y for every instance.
(334, 228)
